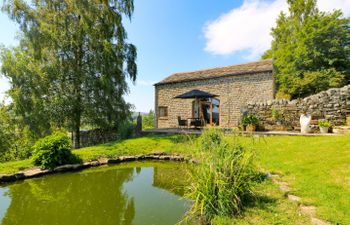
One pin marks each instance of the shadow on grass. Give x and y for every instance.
(258, 200)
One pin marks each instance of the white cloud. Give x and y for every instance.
(329, 5)
(248, 27)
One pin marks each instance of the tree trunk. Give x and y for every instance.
(77, 138)
(77, 87)
(77, 118)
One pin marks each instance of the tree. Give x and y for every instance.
(15, 139)
(6, 131)
(310, 49)
(148, 121)
(77, 61)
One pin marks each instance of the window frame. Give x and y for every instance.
(166, 110)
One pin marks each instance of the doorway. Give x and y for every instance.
(207, 110)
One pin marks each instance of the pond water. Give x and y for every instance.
(138, 193)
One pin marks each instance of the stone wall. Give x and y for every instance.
(94, 137)
(234, 92)
(333, 105)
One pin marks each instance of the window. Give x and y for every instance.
(163, 111)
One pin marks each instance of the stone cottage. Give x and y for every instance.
(230, 88)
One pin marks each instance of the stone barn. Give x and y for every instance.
(213, 96)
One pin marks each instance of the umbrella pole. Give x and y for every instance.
(211, 112)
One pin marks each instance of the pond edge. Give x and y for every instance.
(37, 172)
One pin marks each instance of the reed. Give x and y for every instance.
(223, 180)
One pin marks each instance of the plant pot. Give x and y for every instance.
(251, 128)
(324, 130)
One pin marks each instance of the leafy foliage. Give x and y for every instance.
(72, 63)
(310, 49)
(223, 179)
(6, 131)
(15, 140)
(53, 150)
(148, 121)
(324, 123)
(126, 129)
(210, 139)
(277, 113)
(250, 120)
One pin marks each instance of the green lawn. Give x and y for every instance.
(317, 169)
(134, 146)
(142, 145)
(15, 166)
(271, 207)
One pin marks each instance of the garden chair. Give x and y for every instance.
(181, 122)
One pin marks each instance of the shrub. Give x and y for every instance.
(222, 181)
(250, 120)
(324, 123)
(53, 150)
(277, 113)
(126, 129)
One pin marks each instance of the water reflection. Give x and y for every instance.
(4, 202)
(109, 195)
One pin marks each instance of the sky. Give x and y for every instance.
(184, 35)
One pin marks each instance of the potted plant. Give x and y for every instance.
(250, 121)
(324, 126)
(277, 115)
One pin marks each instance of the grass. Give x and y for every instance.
(134, 146)
(317, 169)
(222, 182)
(270, 207)
(15, 166)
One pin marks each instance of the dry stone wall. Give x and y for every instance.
(333, 105)
(94, 137)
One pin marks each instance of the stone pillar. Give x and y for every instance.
(139, 125)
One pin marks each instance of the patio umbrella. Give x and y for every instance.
(196, 94)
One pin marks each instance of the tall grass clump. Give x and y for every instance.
(223, 180)
(210, 139)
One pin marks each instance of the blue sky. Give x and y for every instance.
(183, 35)
(169, 38)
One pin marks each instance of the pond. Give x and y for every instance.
(138, 193)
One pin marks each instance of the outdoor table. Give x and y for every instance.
(193, 121)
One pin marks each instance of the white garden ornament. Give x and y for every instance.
(305, 121)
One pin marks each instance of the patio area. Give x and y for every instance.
(258, 133)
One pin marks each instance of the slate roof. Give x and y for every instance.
(240, 69)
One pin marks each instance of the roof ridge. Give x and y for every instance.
(215, 72)
(221, 67)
